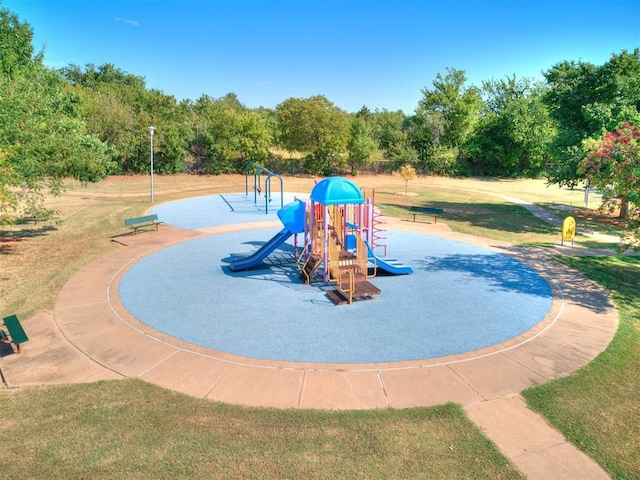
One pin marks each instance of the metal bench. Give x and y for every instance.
(137, 223)
(436, 212)
(12, 333)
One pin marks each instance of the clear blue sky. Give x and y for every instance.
(375, 53)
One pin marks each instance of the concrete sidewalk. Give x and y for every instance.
(89, 336)
(525, 438)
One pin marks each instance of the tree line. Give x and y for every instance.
(91, 121)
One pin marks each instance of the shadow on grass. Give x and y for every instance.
(613, 247)
(493, 216)
(584, 291)
(617, 273)
(9, 238)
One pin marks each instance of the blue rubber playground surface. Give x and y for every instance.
(460, 297)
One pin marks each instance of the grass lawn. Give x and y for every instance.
(130, 429)
(598, 407)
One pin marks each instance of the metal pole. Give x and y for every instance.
(151, 130)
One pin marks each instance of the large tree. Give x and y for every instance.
(450, 108)
(230, 135)
(119, 110)
(42, 136)
(387, 129)
(613, 167)
(317, 127)
(445, 118)
(515, 131)
(391, 132)
(361, 144)
(16, 49)
(585, 101)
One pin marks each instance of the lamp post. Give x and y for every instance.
(151, 130)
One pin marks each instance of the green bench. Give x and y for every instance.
(137, 223)
(11, 332)
(436, 212)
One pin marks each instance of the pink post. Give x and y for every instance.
(325, 228)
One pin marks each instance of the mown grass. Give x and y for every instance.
(129, 429)
(598, 407)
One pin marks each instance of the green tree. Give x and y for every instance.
(445, 119)
(230, 100)
(256, 137)
(314, 126)
(515, 132)
(112, 121)
(16, 50)
(106, 74)
(613, 167)
(450, 109)
(119, 109)
(173, 133)
(42, 136)
(618, 95)
(230, 136)
(220, 134)
(389, 130)
(361, 144)
(424, 134)
(586, 101)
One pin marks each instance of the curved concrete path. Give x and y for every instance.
(88, 313)
(90, 336)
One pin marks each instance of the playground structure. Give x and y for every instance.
(340, 231)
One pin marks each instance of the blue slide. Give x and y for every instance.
(389, 265)
(264, 251)
(292, 217)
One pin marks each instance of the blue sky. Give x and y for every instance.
(375, 53)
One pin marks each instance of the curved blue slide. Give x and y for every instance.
(292, 217)
(264, 251)
(389, 265)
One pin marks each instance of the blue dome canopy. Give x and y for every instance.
(336, 191)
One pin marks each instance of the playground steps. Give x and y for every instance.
(336, 297)
(363, 290)
(310, 268)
